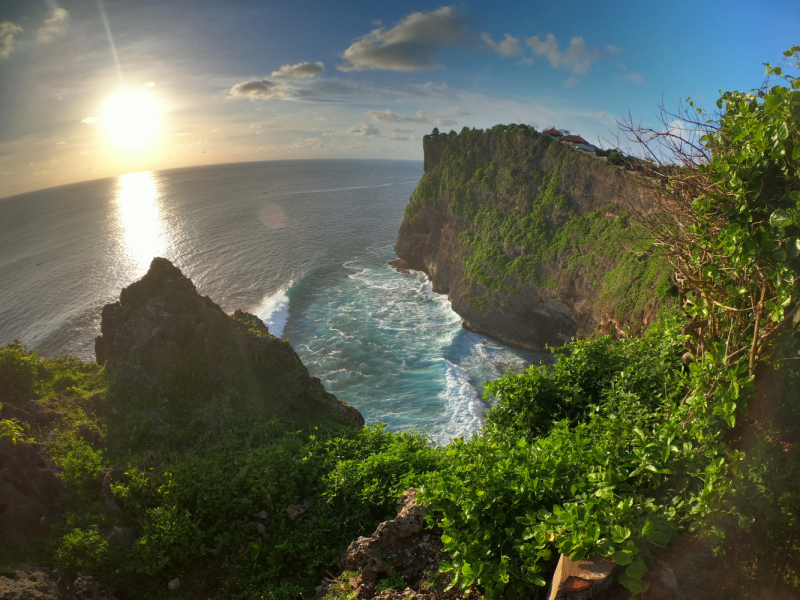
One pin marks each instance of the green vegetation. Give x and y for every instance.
(622, 448)
(193, 498)
(521, 225)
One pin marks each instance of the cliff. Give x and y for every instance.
(531, 240)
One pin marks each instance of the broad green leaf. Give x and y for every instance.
(620, 534)
(780, 219)
(445, 567)
(622, 558)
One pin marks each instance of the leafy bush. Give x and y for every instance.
(18, 372)
(82, 551)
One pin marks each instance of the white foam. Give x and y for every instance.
(464, 409)
(274, 311)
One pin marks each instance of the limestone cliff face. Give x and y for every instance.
(531, 240)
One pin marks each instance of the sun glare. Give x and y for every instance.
(131, 119)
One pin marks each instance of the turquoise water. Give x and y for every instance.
(303, 244)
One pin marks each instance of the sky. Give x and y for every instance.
(248, 80)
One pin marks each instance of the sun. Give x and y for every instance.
(131, 118)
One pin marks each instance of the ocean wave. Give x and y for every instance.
(274, 311)
(464, 408)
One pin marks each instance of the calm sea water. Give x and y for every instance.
(303, 244)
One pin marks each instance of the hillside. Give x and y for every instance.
(532, 240)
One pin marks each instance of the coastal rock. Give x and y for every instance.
(32, 496)
(31, 584)
(398, 547)
(170, 348)
(571, 297)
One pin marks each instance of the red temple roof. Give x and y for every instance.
(575, 139)
(553, 131)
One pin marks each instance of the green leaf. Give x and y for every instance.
(780, 219)
(445, 567)
(637, 569)
(793, 246)
(537, 580)
(620, 534)
(783, 130)
(622, 558)
(466, 569)
(648, 527)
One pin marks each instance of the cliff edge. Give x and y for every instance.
(531, 239)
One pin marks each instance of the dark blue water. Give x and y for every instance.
(303, 244)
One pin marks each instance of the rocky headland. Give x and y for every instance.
(531, 240)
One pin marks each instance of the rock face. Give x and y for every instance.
(554, 277)
(401, 547)
(172, 348)
(31, 493)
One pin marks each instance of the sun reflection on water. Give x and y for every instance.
(139, 211)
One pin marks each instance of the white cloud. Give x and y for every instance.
(409, 45)
(299, 71)
(571, 82)
(149, 84)
(600, 115)
(365, 129)
(90, 120)
(259, 88)
(54, 25)
(255, 126)
(576, 58)
(389, 116)
(630, 75)
(7, 32)
(508, 47)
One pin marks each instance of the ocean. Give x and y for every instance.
(305, 245)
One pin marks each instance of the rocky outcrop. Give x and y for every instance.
(32, 496)
(508, 170)
(399, 560)
(172, 349)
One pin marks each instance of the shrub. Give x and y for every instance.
(18, 372)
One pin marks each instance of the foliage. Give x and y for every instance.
(82, 551)
(12, 428)
(18, 372)
(616, 448)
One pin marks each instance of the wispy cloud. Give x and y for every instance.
(389, 116)
(299, 71)
(410, 45)
(629, 75)
(577, 58)
(54, 25)
(90, 120)
(508, 47)
(7, 32)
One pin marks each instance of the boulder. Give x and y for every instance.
(32, 496)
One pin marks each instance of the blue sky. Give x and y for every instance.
(241, 81)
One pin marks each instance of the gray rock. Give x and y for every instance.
(122, 537)
(295, 510)
(174, 585)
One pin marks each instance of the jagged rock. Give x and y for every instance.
(399, 546)
(295, 510)
(122, 537)
(170, 347)
(31, 584)
(32, 496)
(86, 588)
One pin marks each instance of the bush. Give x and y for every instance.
(18, 372)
